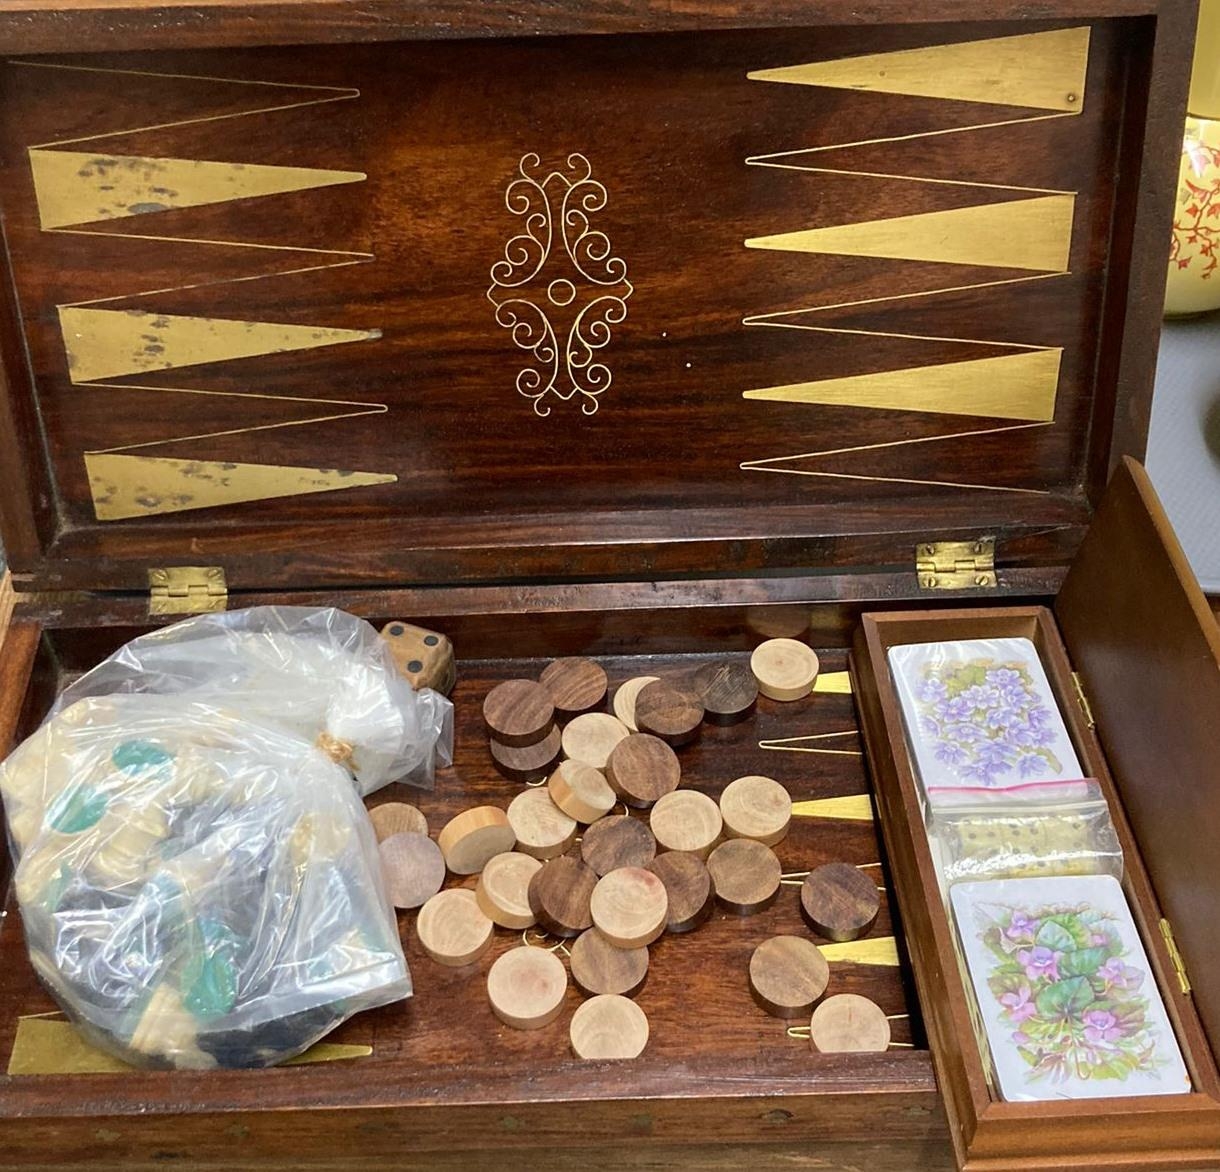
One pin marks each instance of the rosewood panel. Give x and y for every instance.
(635, 305)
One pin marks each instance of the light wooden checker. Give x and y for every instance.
(758, 808)
(643, 768)
(526, 987)
(625, 697)
(453, 929)
(788, 975)
(608, 1027)
(591, 738)
(746, 875)
(503, 890)
(542, 828)
(785, 669)
(414, 868)
(630, 907)
(397, 818)
(473, 837)
(601, 967)
(581, 791)
(686, 820)
(849, 1024)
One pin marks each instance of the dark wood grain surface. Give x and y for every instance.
(652, 481)
(713, 1056)
(1149, 657)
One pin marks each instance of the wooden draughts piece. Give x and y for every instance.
(625, 697)
(591, 738)
(788, 975)
(453, 929)
(526, 987)
(414, 868)
(745, 874)
(542, 828)
(643, 768)
(527, 762)
(559, 896)
(424, 657)
(608, 1027)
(617, 841)
(575, 686)
(601, 967)
(629, 907)
(728, 692)
(849, 1024)
(397, 818)
(581, 791)
(668, 712)
(758, 808)
(688, 885)
(518, 713)
(686, 820)
(504, 887)
(473, 837)
(784, 668)
(840, 902)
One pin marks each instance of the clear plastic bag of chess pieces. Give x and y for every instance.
(199, 882)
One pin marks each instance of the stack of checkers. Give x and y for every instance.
(561, 860)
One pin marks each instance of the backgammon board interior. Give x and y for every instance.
(622, 294)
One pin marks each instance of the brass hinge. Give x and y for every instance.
(1175, 957)
(187, 590)
(956, 565)
(1082, 699)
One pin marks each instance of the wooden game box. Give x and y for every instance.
(624, 329)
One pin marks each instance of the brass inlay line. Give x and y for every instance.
(769, 464)
(75, 188)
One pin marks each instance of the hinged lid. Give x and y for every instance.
(956, 565)
(640, 306)
(1148, 651)
(187, 590)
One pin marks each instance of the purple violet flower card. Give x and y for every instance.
(980, 715)
(1066, 995)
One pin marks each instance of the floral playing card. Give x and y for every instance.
(1062, 981)
(980, 715)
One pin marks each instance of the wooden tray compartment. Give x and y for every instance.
(444, 1074)
(1145, 1132)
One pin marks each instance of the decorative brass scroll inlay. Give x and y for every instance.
(560, 262)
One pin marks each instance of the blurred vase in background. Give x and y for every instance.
(1193, 284)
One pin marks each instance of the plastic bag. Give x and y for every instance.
(321, 674)
(1019, 842)
(197, 889)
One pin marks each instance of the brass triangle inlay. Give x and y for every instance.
(1042, 71)
(1010, 386)
(1017, 234)
(82, 187)
(145, 486)
(111, 343)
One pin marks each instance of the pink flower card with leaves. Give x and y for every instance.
(981, 716)
(1064, 990)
